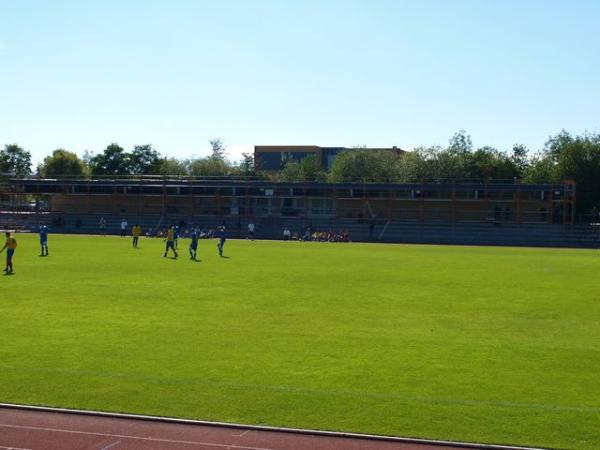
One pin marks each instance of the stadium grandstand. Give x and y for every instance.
(500, 212)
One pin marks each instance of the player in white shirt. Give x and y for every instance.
(123, 228)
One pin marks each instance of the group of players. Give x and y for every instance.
(172, 237)
(11, 245)
(171, 243)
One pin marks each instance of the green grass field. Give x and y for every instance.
(497, 345)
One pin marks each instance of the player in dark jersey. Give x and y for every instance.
(222, 238)
(44, 239)
(193, 244)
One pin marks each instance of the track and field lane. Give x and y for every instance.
(43, 430)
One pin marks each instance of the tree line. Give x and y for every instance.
(114, 160)
(564, 156)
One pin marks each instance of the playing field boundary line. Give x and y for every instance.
(299, 431)
(405, 399)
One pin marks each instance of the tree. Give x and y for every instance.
(520, 157)
(211, 166)
(15, 160)
(291, 171)
(416, 166)
(365, 165)
(62, 163)
(246, 165)
(570, 157)
(540, 169)
(144, 160)
(173, 166)
(578, 158)
(460, 142)
(307, 169)
(219, 150)
(488, 162)
(87, 157)
(113, 161)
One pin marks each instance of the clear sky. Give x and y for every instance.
(80, 75)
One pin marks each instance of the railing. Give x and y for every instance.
(264, 178)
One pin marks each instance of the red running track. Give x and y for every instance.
(43, 430)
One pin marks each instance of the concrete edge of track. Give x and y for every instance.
(302, 431)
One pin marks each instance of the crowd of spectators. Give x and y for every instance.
(309, 234)
(203, 232)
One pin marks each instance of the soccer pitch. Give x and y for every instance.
(487, 344)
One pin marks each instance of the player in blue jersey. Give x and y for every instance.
(222, 238)
(44, 239)
(193, 244)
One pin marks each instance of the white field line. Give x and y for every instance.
(125, 436)
(110, 445)
(266, 428)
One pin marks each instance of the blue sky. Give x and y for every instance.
(80, 75)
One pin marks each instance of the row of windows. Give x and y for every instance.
(299, 192)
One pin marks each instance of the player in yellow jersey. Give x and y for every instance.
(136, 231)
(10, 246)
(170, 241)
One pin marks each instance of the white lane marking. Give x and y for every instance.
(13, 448)
(125, 436)
(242, 434)
(110, 445)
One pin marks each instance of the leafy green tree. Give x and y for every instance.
(578, 158)
(364, 165)
(215, 165)
(144, 160)
(460, 142)
(173, 166)
(246, 165)
(15, 160)
(520, 158)
(62, 163)
(113, 161)
(307, 169)
(211, 166)
(291, 171)
(219, 150)
(416, 165)
(487, 162)
(570, 157)
(541, 168)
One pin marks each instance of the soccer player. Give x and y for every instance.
(136, 231)
(123, 227)
(222, 238)
(193, 244)
(102, 225)
(11, 245)
(44, 239)
(176, 236)
(250, 231)
(170, 241)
